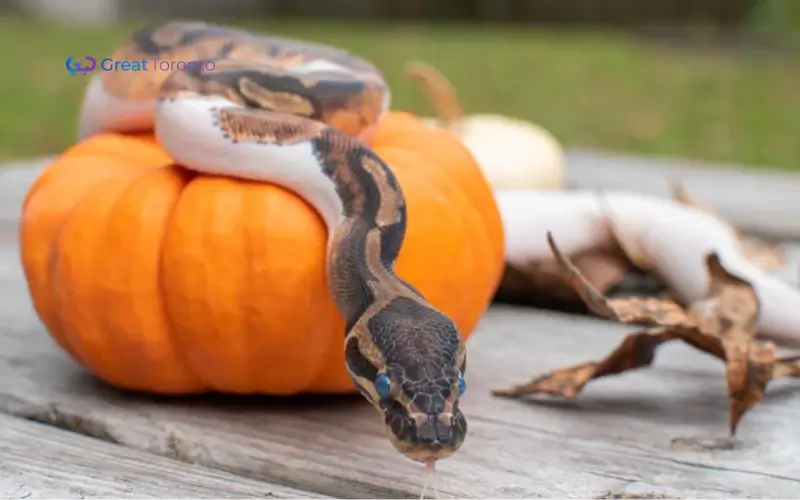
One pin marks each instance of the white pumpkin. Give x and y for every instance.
(513, 153)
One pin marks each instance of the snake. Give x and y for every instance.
(673, 238)
(300, 115)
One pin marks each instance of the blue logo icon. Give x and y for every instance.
(75, 67)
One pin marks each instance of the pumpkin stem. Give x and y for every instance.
(439, 90)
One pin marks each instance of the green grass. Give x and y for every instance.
(590, 89)
(781, 15)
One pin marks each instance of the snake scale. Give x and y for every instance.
(297, 114)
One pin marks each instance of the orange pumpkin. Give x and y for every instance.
(158, 279)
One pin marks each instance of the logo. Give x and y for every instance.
(75, 67)
(153, 64)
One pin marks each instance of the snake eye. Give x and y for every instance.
(462, 385)
(383, 385)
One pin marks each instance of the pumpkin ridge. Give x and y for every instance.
(57, 328)
(172, 330)
(191, 382)
(163, 269)
(104, 320)
(92, 349)
(318, 345)
(40, 282)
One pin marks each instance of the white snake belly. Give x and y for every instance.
(675, 238)
(186, 132)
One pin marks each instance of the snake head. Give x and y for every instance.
(411, 366)
(421, 411)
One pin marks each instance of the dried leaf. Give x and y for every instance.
(730, 311)
(786, 367)
(722, 324)
(636, 351)
(653, 311)
(748, 373)
(680, 194)
(602, 268)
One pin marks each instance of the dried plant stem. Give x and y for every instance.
(439, 90)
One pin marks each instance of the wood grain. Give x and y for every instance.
(40, 461)
(654, 432)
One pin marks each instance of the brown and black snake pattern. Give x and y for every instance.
(405, 357)
(255, 71)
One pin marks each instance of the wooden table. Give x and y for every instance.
(655, 433)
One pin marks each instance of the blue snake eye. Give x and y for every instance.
(383, 385)
(462, 385)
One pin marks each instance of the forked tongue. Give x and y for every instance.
(430, 478)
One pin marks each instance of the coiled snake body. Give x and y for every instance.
(295, 114)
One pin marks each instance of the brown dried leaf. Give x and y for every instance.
(651, 311)
(637, 350)
(602, 268)
(748, 371)
(786, 367)
(730, 307)
(729, 312)
(681, 195)
(722, 324)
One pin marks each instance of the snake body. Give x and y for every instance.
(298, 114)
(675, 238)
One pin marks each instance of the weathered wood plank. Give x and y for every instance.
(645, 432)
(40, 461)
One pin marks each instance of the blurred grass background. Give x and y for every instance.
(591, 88)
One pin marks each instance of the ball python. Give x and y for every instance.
(672, 237)
(298, 115)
